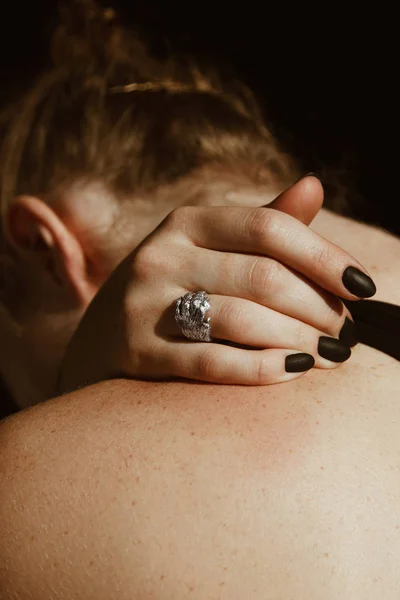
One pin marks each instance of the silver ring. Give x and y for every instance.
(190, 315)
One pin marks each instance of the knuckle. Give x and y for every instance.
(323, 258)
(262, 274)
(332, 312)
(149, 259)
(301, 336)
(263, 371)
(231, 317)
(332, 320)
(263, 223)
(207, 366)
(179, 217)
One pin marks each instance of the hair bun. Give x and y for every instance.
(79, 16)
(90, 42)
(85, 35)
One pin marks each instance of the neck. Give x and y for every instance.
(31, 353)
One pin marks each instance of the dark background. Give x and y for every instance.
(327, 76)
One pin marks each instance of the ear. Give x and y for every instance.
(38, 233)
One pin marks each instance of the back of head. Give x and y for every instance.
(106, 110)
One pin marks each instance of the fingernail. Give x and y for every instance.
(348, 333)
(307, 175)
(358, 283)
(298, 363)
(333, 349)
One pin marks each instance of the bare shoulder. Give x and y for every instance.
(373, 247)
(130, 489)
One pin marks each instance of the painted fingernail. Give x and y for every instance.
(333, 349)
(348, 333)
(358, 283)
(298, 363)
(307, 175)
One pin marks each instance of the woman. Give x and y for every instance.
(93, 163)
(169, 490)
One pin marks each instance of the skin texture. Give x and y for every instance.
(255, 300)
(70, 248)
(183, 490)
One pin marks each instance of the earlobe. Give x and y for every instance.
(35, 231)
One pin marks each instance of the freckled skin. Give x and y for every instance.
(170, 491)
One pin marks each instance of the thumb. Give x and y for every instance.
(302, 200)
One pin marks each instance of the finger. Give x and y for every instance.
(249, 324)
(303, 200)
(216, 363)
(269, 232)
(267, 282)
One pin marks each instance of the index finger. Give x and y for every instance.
(268, 232)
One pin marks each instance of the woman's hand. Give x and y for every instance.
(273, 285)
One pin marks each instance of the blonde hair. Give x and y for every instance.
(106, 110)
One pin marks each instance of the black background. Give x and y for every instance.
(327, 74)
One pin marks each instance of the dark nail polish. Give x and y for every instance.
(298, 363)
(333, 349)
(307, 175)
(348, 333)
(358, 283)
